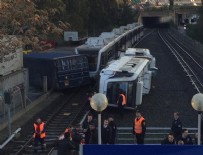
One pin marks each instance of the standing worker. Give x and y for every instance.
(106, 132)
(139, 127)
(85, 127)
(176, 127)
(121, 103)
(39, 134)
(64, 146)
(113, 127)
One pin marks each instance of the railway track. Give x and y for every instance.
(57, 121)
(188, 59)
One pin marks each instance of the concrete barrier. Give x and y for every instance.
(141, 150)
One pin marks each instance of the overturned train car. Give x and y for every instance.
(62, 70)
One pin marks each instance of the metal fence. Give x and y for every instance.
(16, 105)
(14, 84)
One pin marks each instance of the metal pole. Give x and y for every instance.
(99, 128)
(10, 138)
(45, 84)
(199, 128)
(9, 120)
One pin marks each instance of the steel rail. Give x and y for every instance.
(183, 63)
(48, 120)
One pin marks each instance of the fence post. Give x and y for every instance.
(9, 119)
(45, 84)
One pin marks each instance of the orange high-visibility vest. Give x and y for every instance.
(124, 99)
(138, 125)
(41, 127)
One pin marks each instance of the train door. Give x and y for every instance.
(126, 88)
(113, 91)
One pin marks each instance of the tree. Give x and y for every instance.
(171, 3)
(127, 15)
(22, 19)
(78, 15)
(35, 20)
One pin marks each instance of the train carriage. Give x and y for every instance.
(62, 70)
(130, 76)
(107, 47)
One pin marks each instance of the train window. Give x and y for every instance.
(73, 63)
(85, 62)
(92, 59)
(65, 64)
(119, 45)
(68, 64)
(104, 60)
(116, 51)
(59, 65)
(79, 62)
(92, 56)
(123, 42)
(110, 55)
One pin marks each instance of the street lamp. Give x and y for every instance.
(197, 104)
(99, 102)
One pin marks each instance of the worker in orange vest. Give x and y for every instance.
(139, 127)
(39, 134)
(121, 103)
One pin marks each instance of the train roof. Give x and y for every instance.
(64, 49)
(48, 56)
(107, 37)
(94, 42)
(137, 52)
(126, 64)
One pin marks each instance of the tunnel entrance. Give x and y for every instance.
(155, 21)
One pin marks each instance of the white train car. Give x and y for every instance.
(128, 75)
(100, 50)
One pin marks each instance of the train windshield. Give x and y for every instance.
(126, 88)
(92, 56)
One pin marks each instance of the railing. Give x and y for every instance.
(154, 135)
